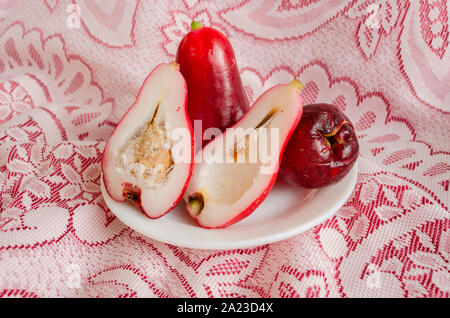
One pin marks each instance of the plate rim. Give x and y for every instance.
(247, 243)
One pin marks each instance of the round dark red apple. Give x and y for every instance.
(322, 149)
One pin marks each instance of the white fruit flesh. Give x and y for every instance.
(225, 189)
(139, 152)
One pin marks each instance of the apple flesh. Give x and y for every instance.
(322, 150)
(216, 95)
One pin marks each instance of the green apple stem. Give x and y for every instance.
(296, 84)
(196, 25)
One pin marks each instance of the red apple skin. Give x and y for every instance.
(322, 150)
(216, 95)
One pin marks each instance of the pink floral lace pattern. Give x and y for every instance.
(57, 99)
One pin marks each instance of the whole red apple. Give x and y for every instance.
(322, 149)
(216, 96)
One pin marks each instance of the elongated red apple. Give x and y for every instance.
(215, 92)
(149, 158)
(235, 172)
(322, 150)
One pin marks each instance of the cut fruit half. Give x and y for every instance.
(235, 172)
(149, 158)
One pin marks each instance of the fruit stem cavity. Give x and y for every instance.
(132, 196)
(331, 137)
(336, 130)
(196, 203)
(196, 25)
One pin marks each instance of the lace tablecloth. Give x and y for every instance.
(70, 69)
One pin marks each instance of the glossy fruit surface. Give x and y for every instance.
(215, 92)
(322, 150)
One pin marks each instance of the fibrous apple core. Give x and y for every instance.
(147, 157)
(267, 118)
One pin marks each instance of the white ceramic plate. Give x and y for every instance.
(286, 211)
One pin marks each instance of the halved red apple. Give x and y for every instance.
(235, 172)
(149, 158)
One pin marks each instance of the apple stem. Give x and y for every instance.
(297, 84)
(175, 65)
(196, 25)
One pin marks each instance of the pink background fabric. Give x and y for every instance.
(64, 85)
